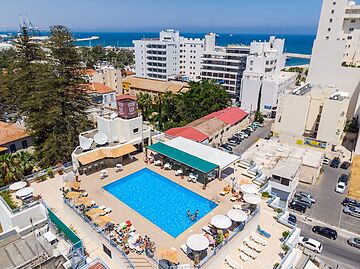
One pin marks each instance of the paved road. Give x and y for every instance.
(328, 207)
(258, 133)
(335, 252)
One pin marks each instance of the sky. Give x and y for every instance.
(222, 16)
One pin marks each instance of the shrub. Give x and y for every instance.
(265, 194)
(285, 248)
(8, 199)
(276, 265)
(50, 172)
(285, 234)
(278, 210)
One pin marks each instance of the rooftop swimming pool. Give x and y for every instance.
(160, 200)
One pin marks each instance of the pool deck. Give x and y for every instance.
(50, 191)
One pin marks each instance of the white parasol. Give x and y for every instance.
(24, 192)
(237, 215)
(221, 221)
(252, 198)
(17, 186)
(249, 188)
(197, 242)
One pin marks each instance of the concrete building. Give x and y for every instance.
(101, 94)
(336, 51)
(106, 75)
(168, 57)
(313, 115)
(225, 65)
(13, 137)
(134, 86)
(263, 72)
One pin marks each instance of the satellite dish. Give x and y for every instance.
(100, 138)
(85, 143)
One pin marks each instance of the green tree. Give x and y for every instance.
(145, 101)
(10, 170)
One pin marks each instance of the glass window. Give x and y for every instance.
(24, 144)
(135, 131)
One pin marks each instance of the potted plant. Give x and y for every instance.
(60, 171)
(50, 172)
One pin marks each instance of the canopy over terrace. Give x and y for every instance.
(213, 155)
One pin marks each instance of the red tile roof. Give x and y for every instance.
(10, 132)
(125, 96)
(229, 115)
(97, 87)
(187, 132)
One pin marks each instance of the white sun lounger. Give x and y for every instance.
(106, 209)
(249, 252)
(252, 245)
(233, 264)
(258, 239)
(183, 266)
(185, 249)
(207, 229)
(237, 206)
(244, 257)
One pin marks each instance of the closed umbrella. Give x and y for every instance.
(17, 186)
(237, 215)
(249, 188)
(197, 242)
(252, 198)
(221, 221)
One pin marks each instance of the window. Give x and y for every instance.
(107, 251)
(351, 29)
(327, 38)
(251, 62)
(285, 181)
(105, 99)
(12, 148)
(332, 11)
(329, 29)
(334, 3)
(135, 131)
(353, 21)
(330, 20)
(24, 144)
(349, 37)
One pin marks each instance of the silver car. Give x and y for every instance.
(354, 242)
(353, 211)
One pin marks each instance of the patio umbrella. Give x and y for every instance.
(72, 185)
(102, 221)
(83, 201)
(252, 198)
(221, 221)
(24, 192)
(249, 188)
(95, 211)
(73, 194)
(237, 215)
(17, 185)
(169, 254)
(197, 242)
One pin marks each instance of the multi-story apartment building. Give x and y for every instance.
(336, 52)
(168, 57)
(263, 73)
(225, 65)
(106, 75)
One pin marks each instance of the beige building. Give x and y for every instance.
(134, 86)
(312, 115)
(106, 75)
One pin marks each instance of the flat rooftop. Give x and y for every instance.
(287, 167)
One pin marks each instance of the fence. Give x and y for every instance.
(102, 234)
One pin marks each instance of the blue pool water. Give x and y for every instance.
(160, 200)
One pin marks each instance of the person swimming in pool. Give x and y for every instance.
(197, 213)
(188, 213)
(193, 217)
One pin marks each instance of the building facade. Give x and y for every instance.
(225, 65)
(106, 75)
(263, 73)
(168, 57)
(13, 137)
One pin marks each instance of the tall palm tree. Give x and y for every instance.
(145, 101)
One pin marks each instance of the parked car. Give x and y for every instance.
(325, 231)
(305, 194)
(226, 147)
(250, 128)
(248, 132)
(354, 242)
(326, 161)
(344, 178)
(236, 139)
(244, 134)
(258, 123)
(292, 219)
(335, 162)
(311, 244)
(297, 206)
(340, 187)
(231, 143)
(350, 202)
(352, 211)
(240, 136)
(345, 165)
(303, 201)
(232, 140)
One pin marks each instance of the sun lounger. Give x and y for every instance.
(263, 232)
(185, 249)
(251, 253)
(252, 245)
(244, 257)
(207, 229)
(233, 264)
(237, 206)
(106, 209)
(183, 266)
(258, 239)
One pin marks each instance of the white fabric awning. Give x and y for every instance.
(197, 242)
(24, 192)
(237, 215)
(252, 198)
(221, 221)
(17, 185)
(249, 188)
(207, 153)
(49, 236)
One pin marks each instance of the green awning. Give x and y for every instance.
(183, 157)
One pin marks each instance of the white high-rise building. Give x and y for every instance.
(168, 57)
(335, 58)
(263, 72)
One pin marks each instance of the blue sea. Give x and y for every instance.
(293, 43)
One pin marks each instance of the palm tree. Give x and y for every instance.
(10, 171)
(145, 101)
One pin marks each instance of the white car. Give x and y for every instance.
(326, 161)
(310, 243)
(340, 187)
(244, 134)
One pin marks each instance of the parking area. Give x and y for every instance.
(260, 132)
(328, 208)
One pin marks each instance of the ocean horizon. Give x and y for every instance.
(295, 43)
